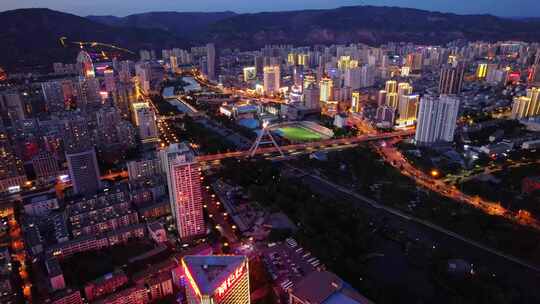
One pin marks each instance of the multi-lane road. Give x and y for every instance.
(394, 157)
(310, 146)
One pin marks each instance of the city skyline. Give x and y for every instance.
(503, 8)
(357, 155)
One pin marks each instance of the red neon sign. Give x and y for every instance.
(231, 280)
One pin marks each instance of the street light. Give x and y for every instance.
(434, 173)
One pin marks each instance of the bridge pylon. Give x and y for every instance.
(264, 137)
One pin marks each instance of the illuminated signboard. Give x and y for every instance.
(230, 281)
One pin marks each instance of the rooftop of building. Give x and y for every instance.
(324, 287)
(108, 276)
(209, 272)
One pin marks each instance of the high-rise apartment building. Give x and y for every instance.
(451, 80)
(311, 97)
(527, 106)
(358, 101)
(216, 279)
(482, 70)
(390, 86)
(88, 92)
(110, 80)
(83, 170)
(326, 86)
(211, 61)
(271, 80)
(45, 164)
(185, 191)
(407, 109)
(250, 73)
(145, 120)
(436, 119)
(53, 93)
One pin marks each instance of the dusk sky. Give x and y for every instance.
(125, 7)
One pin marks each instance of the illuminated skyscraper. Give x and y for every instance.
(357, 101)
(308, 80)
(292, 59)
(344, 62)
(527, 106)
(250, 73)
(414, 61)
(392, 100)
(311, 97)
(404, 88)
(381, 98)
(211, 61)
(481, 71)
(216, 279)
(125, 73)
(391, 86)
(173, 62)
(451, 80)
(143, 72)
(436, 119)
(110, 80)
(271, 80)
(326, 86)
(87, 92)
(407, 109)
(534, 74)
(145, 120)
(303, 60)
(185, 192)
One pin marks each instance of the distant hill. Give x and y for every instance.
(368, 24)
(181, 24)
(30, 37)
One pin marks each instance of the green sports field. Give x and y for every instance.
(298, 134)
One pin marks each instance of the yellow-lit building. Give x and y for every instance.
(481, 71)
(356, 102)
(404, 88)
(345, 63)
(250, 73)
(309, 80)
(292, 59)
(303, 59)
(527, 106)
(452, 59)
(405, 71)
(392, 100)
(326, 86)
(222, 279)
(391, 86)
(407, 110)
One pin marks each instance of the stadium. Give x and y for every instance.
(304, 131)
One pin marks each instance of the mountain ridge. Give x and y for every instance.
(27, 44)
(33, 43)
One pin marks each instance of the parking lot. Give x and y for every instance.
(287, 262)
